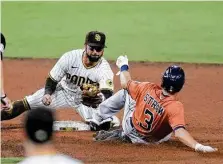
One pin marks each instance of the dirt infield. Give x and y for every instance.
(202, 97)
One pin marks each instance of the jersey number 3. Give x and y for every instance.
(147, 124)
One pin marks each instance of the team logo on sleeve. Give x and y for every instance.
(109, 82)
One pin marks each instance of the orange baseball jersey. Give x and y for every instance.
(155, 115)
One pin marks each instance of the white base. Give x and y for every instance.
(70, 126)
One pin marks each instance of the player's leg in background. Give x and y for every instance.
(88, 113)
(106, 110)
(33, 101)
(85, 112)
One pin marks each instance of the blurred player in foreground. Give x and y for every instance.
(39, 146)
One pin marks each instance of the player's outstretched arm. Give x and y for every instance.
(185, 137)
(50, 87)
(56, 74)
(122, 63)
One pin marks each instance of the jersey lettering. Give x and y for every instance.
(147, 124)
(154, 104)
(78, 80)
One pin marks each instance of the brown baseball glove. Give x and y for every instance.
(91, 95)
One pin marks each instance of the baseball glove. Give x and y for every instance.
(91, 95)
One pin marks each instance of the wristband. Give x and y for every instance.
(124, 68)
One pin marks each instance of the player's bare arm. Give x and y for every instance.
(184, 136)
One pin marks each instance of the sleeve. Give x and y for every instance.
(2, 45)
(60, 68)
(106, 79)
(133, 88)
(176, 116)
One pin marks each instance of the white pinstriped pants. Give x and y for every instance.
(60, 99)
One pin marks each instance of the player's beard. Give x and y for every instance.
(94, 58)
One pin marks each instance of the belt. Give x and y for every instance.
(148, 137)
(131, 122)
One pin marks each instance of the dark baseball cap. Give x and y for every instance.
(39, 125)
(95, 38)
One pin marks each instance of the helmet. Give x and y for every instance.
(173, 79)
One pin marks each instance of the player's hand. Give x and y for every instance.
(6, 103)
(204, 149)
(46, 100)
(122, 60)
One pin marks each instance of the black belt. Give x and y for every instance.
(148, 138)
(131, 122)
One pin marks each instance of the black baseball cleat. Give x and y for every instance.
(104, 126)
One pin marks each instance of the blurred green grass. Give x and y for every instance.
(145, 31)
(11, 160)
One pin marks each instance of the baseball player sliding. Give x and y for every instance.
(63, 86)
(152, 113)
